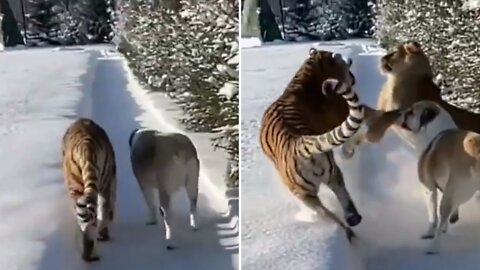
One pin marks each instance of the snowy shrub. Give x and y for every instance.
(191, 53)
(449, 31)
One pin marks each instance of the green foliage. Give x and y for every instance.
(449, 32)
(191, 53)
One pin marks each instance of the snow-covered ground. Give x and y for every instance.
(41, 92)
(382, 180)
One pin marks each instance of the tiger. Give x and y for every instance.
(300, 129)
(89, 170)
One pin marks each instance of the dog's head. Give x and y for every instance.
(419, 115)
(407, 57)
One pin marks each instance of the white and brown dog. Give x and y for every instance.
(449, 161)
(164, 163)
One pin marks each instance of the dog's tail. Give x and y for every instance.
(130, 139)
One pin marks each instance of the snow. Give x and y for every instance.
(381, 178)
(250, 42)
(40, 95)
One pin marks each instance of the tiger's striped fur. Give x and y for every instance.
(90, 177)
(290, 128)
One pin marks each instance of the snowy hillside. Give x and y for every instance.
(41, 92)
(381, 178)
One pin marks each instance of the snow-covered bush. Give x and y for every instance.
(191, 53)
(449, 31)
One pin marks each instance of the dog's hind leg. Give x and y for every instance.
(166, 212)
(452, 198)
(147, 182)
(431, 196)
(192, 191)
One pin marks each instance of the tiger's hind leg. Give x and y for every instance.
(313, 202)
(105, 216)
(87, 226)
(337, 185)
(106, 210)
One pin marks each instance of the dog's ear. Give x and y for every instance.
(412, 47)
(428, 114)
(131, 137)
(379, 124)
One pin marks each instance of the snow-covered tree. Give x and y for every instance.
(2, 46)
(95, 19)
(43, 20)
(327, 20)
(190, 53)
(449, 31)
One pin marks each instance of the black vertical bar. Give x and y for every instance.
(283, 19)
(24, 22)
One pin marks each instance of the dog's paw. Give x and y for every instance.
(454, 218)
(151, 222)
(427, 236)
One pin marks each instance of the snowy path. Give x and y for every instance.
(381, 178)
(40, 94)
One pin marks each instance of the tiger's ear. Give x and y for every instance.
(412, 47)
(312, 51)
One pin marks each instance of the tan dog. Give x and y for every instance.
(449, 160)
(450, 163)
(163, 164)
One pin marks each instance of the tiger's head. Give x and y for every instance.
(331, 65)
(406, 58)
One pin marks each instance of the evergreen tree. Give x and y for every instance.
(43, 21)
(268, 26)
(448, 31)
(95, 19)
(193, 56)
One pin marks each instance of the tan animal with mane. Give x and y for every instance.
(409, 78)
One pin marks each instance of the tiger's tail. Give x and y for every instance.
(317, 144)
(86, 205)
